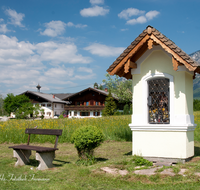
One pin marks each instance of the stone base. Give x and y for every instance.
(168, 160)
(176, 146)
(22, 157)
(45, 159)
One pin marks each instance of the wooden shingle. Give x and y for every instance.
(159, 39)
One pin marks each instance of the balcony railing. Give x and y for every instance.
(83, 107)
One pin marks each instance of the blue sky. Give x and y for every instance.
(67, 45)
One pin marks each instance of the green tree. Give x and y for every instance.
(100, 87)
(126, 110)
(121, 87)
(96, 85)
(21, 106)
(196, 105)
(110, 106)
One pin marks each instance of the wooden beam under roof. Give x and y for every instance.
(129, 55)
(150, 44)
(176, 56)
(175, 63)
(129, 65)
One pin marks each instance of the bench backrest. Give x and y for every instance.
(56, 132)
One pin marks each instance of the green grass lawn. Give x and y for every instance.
(68, 175)
(115, 152)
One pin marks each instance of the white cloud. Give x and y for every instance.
(3, 28)
(84, 77)
(139, 20)
(16, 18)
(60, 72)
(130, 12)
(94, 2)
(70, 24)
(85, 69)
(151, 14)
(126, 14)
(124, 29)
(60, 53)
(144, 18)
(54, 28)
(94, 11)
(26, 64)
(103, 50)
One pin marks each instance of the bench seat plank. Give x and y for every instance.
(35, 148)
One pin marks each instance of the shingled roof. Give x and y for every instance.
(103, 92)
(46, 97)
(149, 37)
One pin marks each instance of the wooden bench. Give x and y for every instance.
(45, 155)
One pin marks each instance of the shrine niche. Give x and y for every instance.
(162, 75)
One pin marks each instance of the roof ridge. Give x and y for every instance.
(162, 38)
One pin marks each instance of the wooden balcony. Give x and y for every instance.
(83, 108)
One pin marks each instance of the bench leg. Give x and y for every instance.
(22, 157)
(45, 159)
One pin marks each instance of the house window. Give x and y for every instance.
(85, 113)
(49, 113)
(78, 103)
(43, 105)
(48, 105)
(97, 103)
(87, 103)
(158, 101)
(96, 113)
(55, 105)
(75, 113)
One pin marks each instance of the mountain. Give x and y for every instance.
(196, 81)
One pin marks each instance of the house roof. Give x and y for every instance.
(47, 97)
(63, 96)
(92, 89)
(149, 37)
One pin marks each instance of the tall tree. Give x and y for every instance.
(110, 105)
(121, 87)
(2, 111)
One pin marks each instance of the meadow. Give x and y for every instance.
(114, 128)
(115, 152)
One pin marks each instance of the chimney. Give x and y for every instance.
(53, 96)
(106, 89)
(38, 87)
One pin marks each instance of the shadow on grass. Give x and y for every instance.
(128, 153)
(101, 159)
(196, 151)
(61, 163)
(35, 163)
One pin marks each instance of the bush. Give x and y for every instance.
(140, 161)
(118, 113)
(61, 116)
(86, 139)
